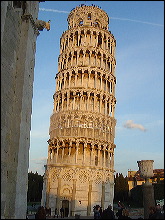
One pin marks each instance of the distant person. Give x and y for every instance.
(97, 212)
(152, 211)
(62, 212)
(108, 213)
(120, 209)
(155, 212)
(101, 211)
(125, 214)
(41, 213)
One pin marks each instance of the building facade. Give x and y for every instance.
(80, 167)
(135, 179)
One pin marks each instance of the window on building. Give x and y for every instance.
(96, 160)
(89, 16)
(81, 23)
(20, 5)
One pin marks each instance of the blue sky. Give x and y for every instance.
(138, 27)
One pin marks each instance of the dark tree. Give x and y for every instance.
(35, 185)
(121, 188)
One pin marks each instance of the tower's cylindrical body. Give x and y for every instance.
(80, 166)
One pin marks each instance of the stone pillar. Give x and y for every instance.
(76, 155)
(89, 80)
(82, 75)
(58, 196)
(62, 152)
(91, 158)
(57, 154)
(53, 154)
(96, 80)
(68, 100)
(105, 105)
(99, 149)
(88, 98)
(101, 76)
(85, 146)
(146, 171)
(74, 96)
(47, 192)
(104, 156)
(103, 195)
(89, 198)
(73, 198)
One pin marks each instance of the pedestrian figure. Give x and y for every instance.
(155, 212)
(120, 209)
(152, 212)
(97, 212)
(62, 212)
(101, 211)
(125, 214)
(108, 213)
(41, 213)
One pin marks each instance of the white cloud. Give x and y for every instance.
(131, 125)
(143, 22)
(53, 10)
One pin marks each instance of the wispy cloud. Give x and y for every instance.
(54, 10)
(143, 22)
(131, 125)
(122, 19)
(41, 160)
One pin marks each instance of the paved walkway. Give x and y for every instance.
(134, 213)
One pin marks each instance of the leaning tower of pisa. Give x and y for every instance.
(80, 167)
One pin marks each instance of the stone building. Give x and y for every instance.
(80, 168)
(19, 32)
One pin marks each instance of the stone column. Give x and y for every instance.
(89, 198)
(95, 97)
(73, 198)
(47, 192)
(101, 76)
(146, 171)
(68, 100)
(58, 196)
(74, 97)
(96, 80)
(104, 156)
(62, 101)
(99, 149)
(82, 79)
(76, 155)
(57, 154)
(92, 154)
(64, 80)
(76, 79)
(53, 154)
(105, 105)
(62, 151)
(101, 97)
(106, 86)
(89, 79)
(113, 109)
(85, 146)
(88, 94)
(69, 80)
(103, 195)
(49, 155)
